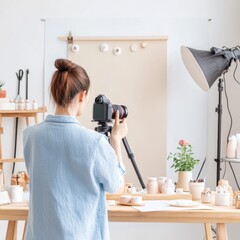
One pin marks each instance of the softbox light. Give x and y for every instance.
(205, 66)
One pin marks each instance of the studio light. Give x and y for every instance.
(205, 67)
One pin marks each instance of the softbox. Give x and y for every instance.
(204, 66)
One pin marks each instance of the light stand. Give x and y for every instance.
(104, 128)
(219, 130)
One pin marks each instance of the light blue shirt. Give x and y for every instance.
(70, 168)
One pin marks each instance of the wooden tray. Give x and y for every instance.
(130, 204)
(159, 196)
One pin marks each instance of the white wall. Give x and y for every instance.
(22, 46)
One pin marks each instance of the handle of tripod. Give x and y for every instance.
(131, 157)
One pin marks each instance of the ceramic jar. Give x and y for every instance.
(232, 147)
(222, 197)
(237, 201)
(27, 105)
(152, 185)
(21, 105)
(168, 187)
(161, 181)
(15, 193)
(206, 196)
(34, 105)
(128, 187)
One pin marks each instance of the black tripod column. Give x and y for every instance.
(219, 132)
(131, 157)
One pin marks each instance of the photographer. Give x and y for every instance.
(71, 167)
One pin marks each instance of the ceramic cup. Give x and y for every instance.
(15, 193)
(196, 188)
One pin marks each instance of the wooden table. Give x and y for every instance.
(220, 216)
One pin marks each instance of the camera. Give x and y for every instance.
(104, 111)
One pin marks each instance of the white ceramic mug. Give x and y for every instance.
(15, 193)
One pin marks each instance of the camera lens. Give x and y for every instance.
(123, 112)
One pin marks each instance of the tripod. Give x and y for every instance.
(104, 128)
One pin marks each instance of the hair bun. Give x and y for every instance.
(64, 65)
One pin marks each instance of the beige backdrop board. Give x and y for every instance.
(138, 80)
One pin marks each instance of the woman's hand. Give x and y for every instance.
(120, 129)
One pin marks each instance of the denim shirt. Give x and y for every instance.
(70, 168)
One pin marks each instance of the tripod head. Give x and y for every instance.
(103, 128)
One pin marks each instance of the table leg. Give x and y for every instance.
(208, 231)
(12, 230)
(222, 231)
(24, 231)
(36, 118)
(27, 121)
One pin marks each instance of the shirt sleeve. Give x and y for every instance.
(108, 170)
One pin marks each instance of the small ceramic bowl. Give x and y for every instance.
(125, 199)
(136, 200)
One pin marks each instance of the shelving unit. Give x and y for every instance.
(233, 160)
(17, 114)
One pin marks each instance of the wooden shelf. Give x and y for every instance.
(234, 160)
(39, 110)
(11, 160)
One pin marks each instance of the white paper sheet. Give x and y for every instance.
(163, 205)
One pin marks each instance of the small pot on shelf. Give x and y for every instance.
(3, 93)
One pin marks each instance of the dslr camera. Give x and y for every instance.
(104, 111)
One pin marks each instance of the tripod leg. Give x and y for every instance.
(131, 157)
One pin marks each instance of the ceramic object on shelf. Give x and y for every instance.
(232, 147)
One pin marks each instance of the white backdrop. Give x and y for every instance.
(182, 113)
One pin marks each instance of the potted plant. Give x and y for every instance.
(183, 163)
(2, 92)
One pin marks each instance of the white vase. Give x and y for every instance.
(184, 178)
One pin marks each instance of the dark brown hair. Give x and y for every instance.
(68, 80)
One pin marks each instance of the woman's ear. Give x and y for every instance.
(82, 96)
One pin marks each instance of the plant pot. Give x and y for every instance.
(184, 178)
(3, 93)
(196, 189)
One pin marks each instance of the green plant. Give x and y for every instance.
(183, 160)
(1, 84)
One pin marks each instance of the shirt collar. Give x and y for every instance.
(61, 119)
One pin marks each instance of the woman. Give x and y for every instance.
(71, 167)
